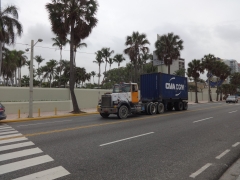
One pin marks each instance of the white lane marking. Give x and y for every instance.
(126, 139)
(5, 130)
(13, 140)
(236, 144)
(53, 173)
(5, 127)
(12, 135)
(233, 111)
(43, 123)
(17, 154)
(193, 175)
(202, 120)
(9, 132)
(223, 154)
(24, 164)
(14, 146)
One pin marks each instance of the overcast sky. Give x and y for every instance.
(205, 26)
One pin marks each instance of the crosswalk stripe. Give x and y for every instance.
(24, 164)
(5, 127)
(13, 140)
(18, 154)
(5, 130)
(53, 173)
(9, 132)
(12, 135)
(13, 146)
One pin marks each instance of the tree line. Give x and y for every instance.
(78, 25)
(217, 68)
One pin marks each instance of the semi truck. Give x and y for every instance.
(158, 92)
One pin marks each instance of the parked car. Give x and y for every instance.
(2, 112)
(233, 99)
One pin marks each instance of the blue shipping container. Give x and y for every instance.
(160, 86)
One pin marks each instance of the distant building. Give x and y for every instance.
(233, 64)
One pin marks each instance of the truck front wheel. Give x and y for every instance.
(104, 115)
(122, 112)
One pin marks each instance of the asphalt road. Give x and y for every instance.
(200, 143)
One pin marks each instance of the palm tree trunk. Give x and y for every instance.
(196, 95)
(72, 73)
(0, 58)
(15, 75)
(217, 92)
(99, 76)
(168, 68)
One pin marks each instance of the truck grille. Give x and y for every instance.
(106, 101)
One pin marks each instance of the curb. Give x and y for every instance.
(46, 117)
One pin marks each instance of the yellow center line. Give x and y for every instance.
(103, 124)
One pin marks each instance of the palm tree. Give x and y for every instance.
(9, 66)
(79, 45)
(106, 53)
(9, 28)
(60, 43)
(118, 58)
(39, 60)
(168, 48)
(222, 71)
(180, 72)
(99, 61)
(20, 62)
(110, 61)
(208, 63)
(77, 19)
(93, 74)
(193, 71)
(135, 45)
(50, 70)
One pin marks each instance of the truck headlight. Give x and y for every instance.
(115, 102)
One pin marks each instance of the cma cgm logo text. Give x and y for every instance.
(173, 86)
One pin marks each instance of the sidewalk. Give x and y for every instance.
(44, 115)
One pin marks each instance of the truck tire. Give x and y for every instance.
(147, 108)
(169, 107)
(152, 109)
(178, 106)
(104, 115)
(160, 108)
(122, 112)
(185, 105)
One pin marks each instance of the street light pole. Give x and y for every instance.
(30, 113)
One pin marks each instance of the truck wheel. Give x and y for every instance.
(185, 105)
(160, 108)
(147, 108)
(152, 109)
(178, 106)
(169, 107)
(122, 112)
(104, 115)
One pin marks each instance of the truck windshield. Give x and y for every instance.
(121, 88)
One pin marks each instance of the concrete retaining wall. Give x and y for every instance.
(47, 99)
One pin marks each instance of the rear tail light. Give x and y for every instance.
(1, 109)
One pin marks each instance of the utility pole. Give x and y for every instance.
(30, 113)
